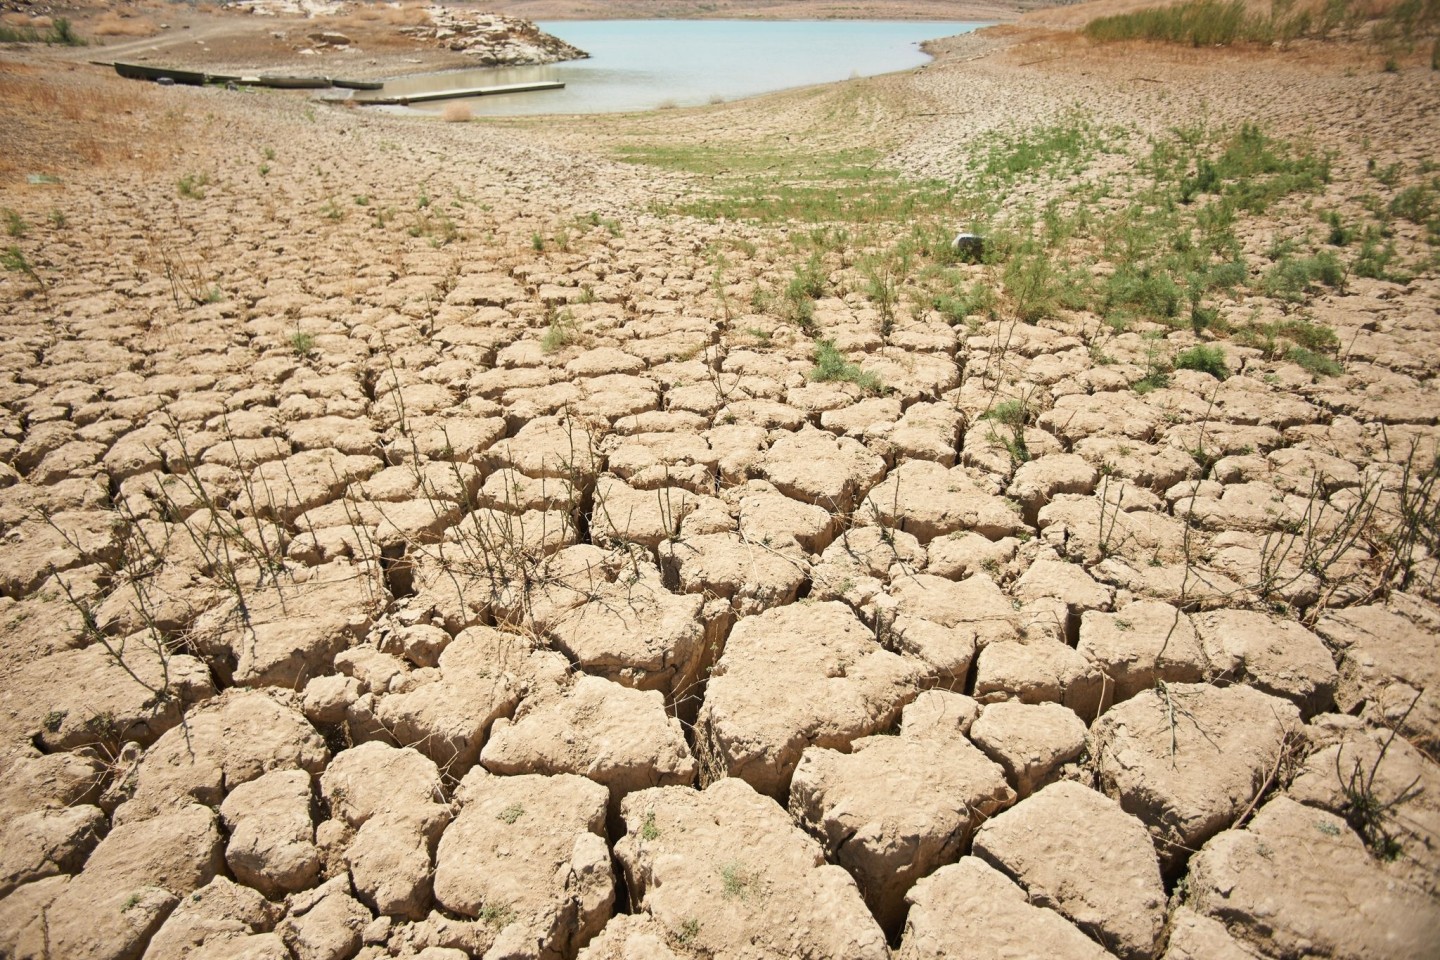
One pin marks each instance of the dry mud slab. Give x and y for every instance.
(445, 540)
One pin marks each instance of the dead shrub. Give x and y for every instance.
(457, 113)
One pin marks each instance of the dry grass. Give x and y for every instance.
(378, 25)
(21, 21)
(394, 15)
(114, 24)
(52, 122)
(456, 113)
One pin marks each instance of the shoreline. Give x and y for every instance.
(938, 10)
(925, 57)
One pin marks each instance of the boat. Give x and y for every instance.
(401, 100)
(294, 83)
(135, 71)
(357, 84)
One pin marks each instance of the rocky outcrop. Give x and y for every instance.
(494, 40)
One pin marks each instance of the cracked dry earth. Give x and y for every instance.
(412, 549)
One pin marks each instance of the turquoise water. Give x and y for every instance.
(649, 64)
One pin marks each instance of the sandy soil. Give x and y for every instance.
(475, 504)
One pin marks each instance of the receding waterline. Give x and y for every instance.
(653, 64)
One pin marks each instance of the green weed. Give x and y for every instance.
(562, 332)
(1417, 204)
(1204, 23)
(498, 916)
(61, 32)
(1295, 278)
(1038, 287)
(883, 290)
(1340, 234)
(803, 289)
(978, 299)
(1157, 367)
(192, 186)
(1313, 341)
(1014, 415)
(1063, 148)
(14, 260)
(737, 882)
(1315, 363)
(831, 365)
(1204, 359)
(771, 185)
(1377, 261)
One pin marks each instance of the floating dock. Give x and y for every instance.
(400, 100)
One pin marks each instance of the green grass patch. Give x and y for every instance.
(785, 186)
(1295, 278)
(61, 32)
(1277, 339)
(1010, 418)
(562, 332)
(1316, 363)
(831, 365)
(1059, 149)
(192, 186)
(1212, 23)
(962, 302)
(1251, 171)
(1203, 359)
(739, 883)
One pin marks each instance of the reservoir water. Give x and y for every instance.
(650, 64)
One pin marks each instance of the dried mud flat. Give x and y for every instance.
(443, 539)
